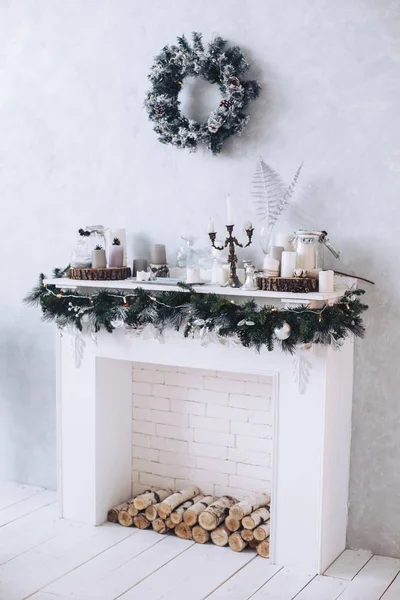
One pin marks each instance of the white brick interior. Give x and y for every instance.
(211, 428)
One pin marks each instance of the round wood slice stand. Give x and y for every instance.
(299, 285)
(107, 274)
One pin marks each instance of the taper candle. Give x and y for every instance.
(229, 215)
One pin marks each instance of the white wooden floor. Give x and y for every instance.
(44, 558)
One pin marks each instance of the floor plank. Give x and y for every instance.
(323, 588)
(246, 581)
(11, 493)
(373, 580)
(349, 563)
(37, 567)
(26, 506)
(393, 593)
(192, 575)
(30, 531)
(120, 568)
(283, 586)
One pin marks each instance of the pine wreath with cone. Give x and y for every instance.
(217, 64)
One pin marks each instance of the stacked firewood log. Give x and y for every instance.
(192, 516)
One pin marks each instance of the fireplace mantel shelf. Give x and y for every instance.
(131, 284)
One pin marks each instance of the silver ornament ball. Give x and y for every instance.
(282, 333)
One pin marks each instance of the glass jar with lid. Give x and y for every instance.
(309, 247)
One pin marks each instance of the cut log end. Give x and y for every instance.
(247, 535)
(236, 542)
(215, 514)
(232, 523)
(141, 522)
(124, 518)
(220, 536)
(183, 531)
(262, 532)
(263, 549)
(200, 535)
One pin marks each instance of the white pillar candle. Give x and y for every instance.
(229, 213)
(248, 225)
(223, 275)
(288, 263)
(326, 282)
(271, 266)
(121, 235)
(285, 240)
(193, 275)
(211, 227)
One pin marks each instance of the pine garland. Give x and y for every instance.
(219, 65)
(191, 312)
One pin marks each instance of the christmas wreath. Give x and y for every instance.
(218, 64)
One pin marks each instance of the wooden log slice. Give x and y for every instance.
(262, 532)
(141, 522)
(247, 535)
(256, 518)
(220, 536)
(107, 274)
(151, 512)
(159, 525)
(124, 518)
(131, 509)
(146, 499)
(112, 514)
(166, 507)
(191, 515)
(232, 523)
(169, 524)
(236, 542)
(215, 514)
(249, 505)
(263, 549)
(200, 535)
(183, 531)
(299, 285)
(177, 515)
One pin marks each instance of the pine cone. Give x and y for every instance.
(225, 105)
(159, 110)
(233, 82)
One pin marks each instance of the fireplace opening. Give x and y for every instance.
(206, 435)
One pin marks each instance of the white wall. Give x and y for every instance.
(76, 148)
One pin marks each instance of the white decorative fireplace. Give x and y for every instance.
(295, 412)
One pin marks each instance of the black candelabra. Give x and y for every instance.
(232, 242)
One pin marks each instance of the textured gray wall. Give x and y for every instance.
(76, 148)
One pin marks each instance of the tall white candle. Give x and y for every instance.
(288, 263)
(229, 214)
(326, 282)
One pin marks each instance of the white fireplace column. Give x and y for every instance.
(312, 424)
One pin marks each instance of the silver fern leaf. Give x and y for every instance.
(270, 195)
